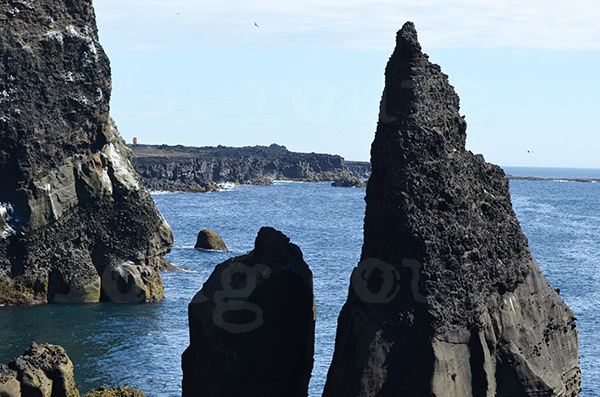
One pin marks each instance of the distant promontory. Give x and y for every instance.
(199, 169)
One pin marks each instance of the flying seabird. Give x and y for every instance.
(255, 24)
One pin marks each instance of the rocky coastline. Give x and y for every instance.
(447, 299)
(201, 169)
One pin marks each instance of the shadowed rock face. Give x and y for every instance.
(252, 325)
(447, 299)
(76, 224)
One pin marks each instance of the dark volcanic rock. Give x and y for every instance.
(209, 240)
(447, 299)
(348, 181)
(252, 325)
(43, 370)
(76, 223)
(202, 168)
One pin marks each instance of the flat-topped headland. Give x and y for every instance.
(198, 169)
(537, 178)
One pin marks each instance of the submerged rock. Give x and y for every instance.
(121, 391)
(252, 325)
(447, 299)
(209, 240)
(76, 223)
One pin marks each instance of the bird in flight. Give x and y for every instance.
(530, 151)
(255, 24)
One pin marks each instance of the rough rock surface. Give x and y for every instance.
(209, 240)
(252, 325)
(43, 370)
(76, 223)
(447, 299)
(203, 168)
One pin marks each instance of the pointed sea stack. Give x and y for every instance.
(252, 325)
(76, 223)
(447, 299)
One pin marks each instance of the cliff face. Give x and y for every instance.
(196, 168)
(447, 299)
(252, 325)
(76, 224)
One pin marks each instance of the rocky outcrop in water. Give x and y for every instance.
(347, 180)
(252, 325)
(76, 223)
(209, 240)
(200, 169)
(447, 299)
(43, 370)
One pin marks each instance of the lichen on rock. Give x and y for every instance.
(71, 205)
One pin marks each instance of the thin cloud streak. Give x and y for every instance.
(355, 24)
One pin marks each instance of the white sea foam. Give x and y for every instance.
(226, 186)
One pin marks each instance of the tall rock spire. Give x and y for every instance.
(447, 299)
(76, 223)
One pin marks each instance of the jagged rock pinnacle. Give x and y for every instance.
(447, 299)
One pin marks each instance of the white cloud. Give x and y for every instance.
(547, 24)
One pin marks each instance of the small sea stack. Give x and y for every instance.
(209, 240)
(447, 299)
(252, 325)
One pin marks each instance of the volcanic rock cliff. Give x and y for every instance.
(76, 223)
(252, 325)
(447, 299)
(165, 167)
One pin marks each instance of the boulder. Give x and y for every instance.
(209, 240)
(9, 384)
(43, 370)
(252, 325)
(447, 299)
(72, 208)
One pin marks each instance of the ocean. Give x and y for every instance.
(141, 345)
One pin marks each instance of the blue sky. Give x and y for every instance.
(311, 75)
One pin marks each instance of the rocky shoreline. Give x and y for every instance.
(447, 299)
(202, 169)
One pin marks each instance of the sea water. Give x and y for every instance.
(141, 345)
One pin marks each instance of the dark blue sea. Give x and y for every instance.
(141, 345)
